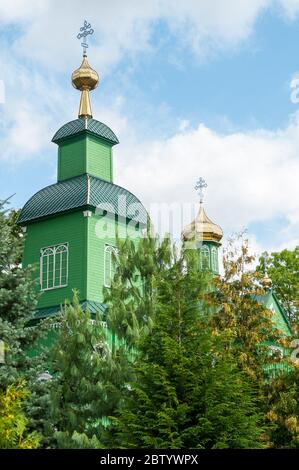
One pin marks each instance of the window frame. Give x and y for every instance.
(205, 256)
(108, 249)
(41, 270)
(214, 259)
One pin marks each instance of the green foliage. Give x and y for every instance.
(250, 327)
(239, 312)
(183, 364)
(283, 410)
(87, 379)
(13, 423)
(19, 334)
(283, 269)
(17, 305)
(187, 389)
(132, 296)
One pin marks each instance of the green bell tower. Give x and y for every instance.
(203, 235)
(71, 226)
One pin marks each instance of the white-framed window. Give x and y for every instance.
(54, 266)
(205, 257)
(214, 259)
(109, 264)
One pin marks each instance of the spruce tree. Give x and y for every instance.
(187, 390)
(18, 302)
(20, 334)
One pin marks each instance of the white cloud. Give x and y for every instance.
(252, 176)
(20, 10)
(27, 134)
(125, 27)
(290, 8)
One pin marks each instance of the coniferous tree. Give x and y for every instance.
(187, 390)
(87, 379)
(132, 297)
(19, 333)
(18, 302)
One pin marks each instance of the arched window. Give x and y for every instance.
(54, 266)
(205, 257)
(214, 259)
(109, 264)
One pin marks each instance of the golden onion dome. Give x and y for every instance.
(85, 79)
(266, 281)
(202, 229)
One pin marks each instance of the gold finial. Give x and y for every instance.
(202, 228)
(85, 78)
(266, 281)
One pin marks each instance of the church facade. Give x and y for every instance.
(72, 226)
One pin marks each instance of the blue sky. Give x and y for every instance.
(192, 89)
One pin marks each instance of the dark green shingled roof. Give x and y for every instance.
(88, 125)
(80, 192)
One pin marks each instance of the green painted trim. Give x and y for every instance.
(111, 166)
(85, 267)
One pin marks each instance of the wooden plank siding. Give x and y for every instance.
(84, 154)
(68, 228)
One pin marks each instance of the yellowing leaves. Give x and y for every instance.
(13, 421)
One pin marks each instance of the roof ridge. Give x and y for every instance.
(79, 125)
(78, 192)
(116, 185)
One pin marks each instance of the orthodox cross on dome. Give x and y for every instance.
(85, 30)
(200, 186)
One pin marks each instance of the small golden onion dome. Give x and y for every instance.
(266, 281)
(202, 229)
(85, 79)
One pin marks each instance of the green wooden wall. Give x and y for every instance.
(99, 159)
(97, 240)
(87, 238)
(69, 228)
(71, 158)
(84, 154)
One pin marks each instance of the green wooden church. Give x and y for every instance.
(71, 226)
